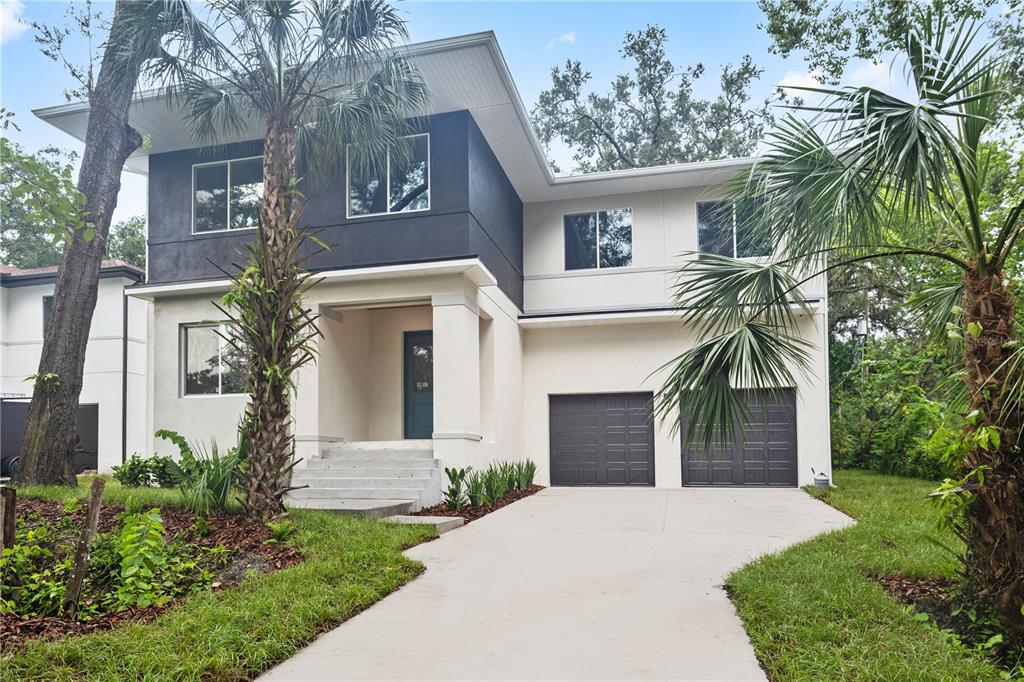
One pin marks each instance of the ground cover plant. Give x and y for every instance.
(235, 632)
(817, 611)
(473, 493)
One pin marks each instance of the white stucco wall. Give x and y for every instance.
(625, 357)
(21, 341)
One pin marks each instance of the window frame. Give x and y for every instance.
(387, 184)
(183, 360)
(597, 238)
(735, 244)
(192, 197)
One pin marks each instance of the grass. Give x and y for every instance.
(350, 563)
(812, 614)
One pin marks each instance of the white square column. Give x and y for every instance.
(456, 377)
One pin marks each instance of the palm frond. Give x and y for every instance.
(937, 309)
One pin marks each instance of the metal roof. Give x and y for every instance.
(463, 73)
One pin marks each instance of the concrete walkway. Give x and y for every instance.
(582, 583)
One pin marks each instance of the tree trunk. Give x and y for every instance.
(268, 422)
(993, 526)
(47, 451)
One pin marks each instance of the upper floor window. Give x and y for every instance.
(599, 239)
(210, 363)
(226, 195)
(401, 184)
(729, 229)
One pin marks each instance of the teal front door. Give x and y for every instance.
(419, 384)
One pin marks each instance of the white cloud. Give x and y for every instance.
(567, 38)
(881, 76)
(11, 25)
(798, 79)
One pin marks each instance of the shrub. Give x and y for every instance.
(455, 496)
(281, 530)
(476, 490)
(525, 471)
(495, 483)
(206, 478)
(142, 472)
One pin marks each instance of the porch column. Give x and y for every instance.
(456, 368)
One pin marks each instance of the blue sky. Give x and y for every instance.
(533, 36)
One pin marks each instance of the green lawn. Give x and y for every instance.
(813, 615)
(350, 563)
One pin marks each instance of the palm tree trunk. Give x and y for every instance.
(268, 422)
(993, 526)
(47, 451)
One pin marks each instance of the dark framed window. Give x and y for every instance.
(400, 184)
(598, 239)
(731, 229)
(47, 309)
(226, 195)
(210, 365)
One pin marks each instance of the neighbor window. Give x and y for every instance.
(730, 229)
(211, 364)
(226, 195)
(401, 183)
(600, 239)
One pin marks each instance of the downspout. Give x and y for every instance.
(124, 376)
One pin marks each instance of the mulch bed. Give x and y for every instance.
(929, 595)
(470, 513)
(244, 538)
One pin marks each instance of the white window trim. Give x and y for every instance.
(735, 245)
(221, 162)
(387, 183)
(183, 360)
(597, 236)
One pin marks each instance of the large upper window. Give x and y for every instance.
(401, 184)
(211, 364)
(226, 195)
(600, 239)
(729, 229)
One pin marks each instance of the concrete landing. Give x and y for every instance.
(443, 524)
(376, 509)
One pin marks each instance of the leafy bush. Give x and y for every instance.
(886, 409)
(495, 483)
(455, 496)
(142, 472)
(206, 477)
(525, 471)
(476, 489)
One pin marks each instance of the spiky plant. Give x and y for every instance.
(318, 76)
(864, 180)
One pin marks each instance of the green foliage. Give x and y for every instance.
(50, 381)
(524, 472)
(455, 495)
(282, 530)
(476, 489)
(127, 241)
(39, 205)
(141, 472)
(32, 579)
(144, 559)
(652, 116)
(886, 410)
(206, 476)
(496, 484)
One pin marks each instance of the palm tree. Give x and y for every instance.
(863, 180)
(318, 76)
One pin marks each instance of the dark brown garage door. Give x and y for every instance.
(602, 439)
(763, 455)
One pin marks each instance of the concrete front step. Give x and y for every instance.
(363, 482)
(374, 508)
(361, 455)
(411, 444)
(389, 461)
(379, 470)
(390, 493)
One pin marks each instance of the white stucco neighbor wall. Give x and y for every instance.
(21, 342)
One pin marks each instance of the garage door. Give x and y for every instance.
(763, 455)
(602, 439)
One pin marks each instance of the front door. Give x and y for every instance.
(419, 384)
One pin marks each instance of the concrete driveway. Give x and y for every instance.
(575, 583)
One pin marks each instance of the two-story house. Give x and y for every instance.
(474, 306)
(112, 417)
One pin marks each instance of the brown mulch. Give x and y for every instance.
(470, 513)
(244, 538)
(929, 595)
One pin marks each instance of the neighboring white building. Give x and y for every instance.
(113, 399)
(475, 307)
